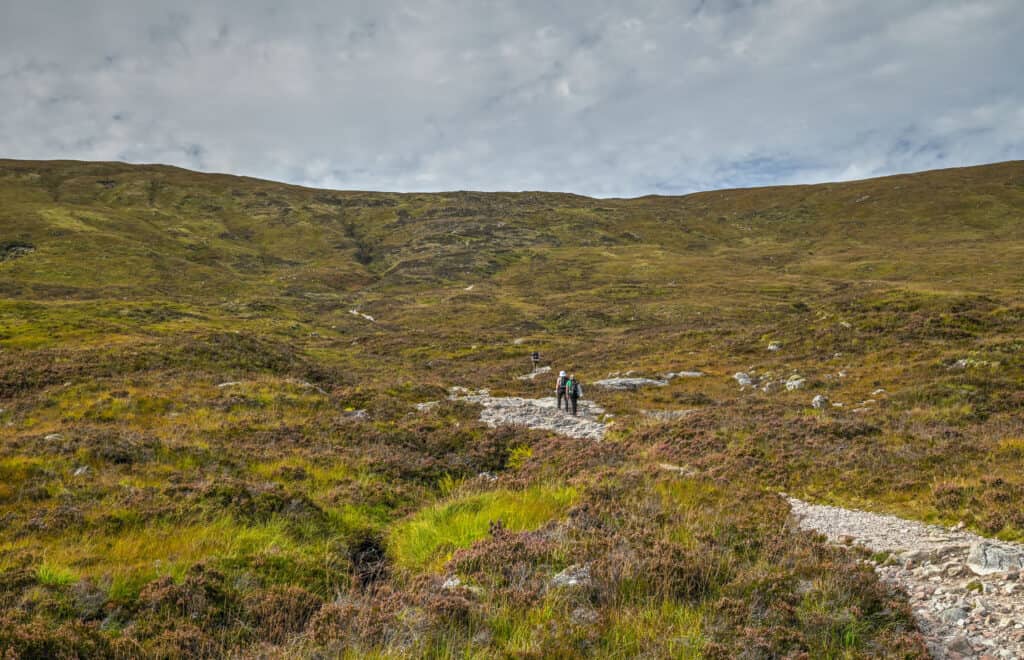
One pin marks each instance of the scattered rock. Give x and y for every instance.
(961, 645)
(356, 312)
(971, 363)
(795, 382)
(629, 383)
(744, 379)
(356, 414)
(15, 250)
(81, 471)
(573, 576)
(230, 383)
(954, 614)
(683, 374)
(820, 402)
(452, 583)
(53, 437)
(774, 346)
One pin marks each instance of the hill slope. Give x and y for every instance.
(235, 362)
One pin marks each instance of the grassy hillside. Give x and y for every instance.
(184, 469)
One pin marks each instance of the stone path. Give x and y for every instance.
(965, 589)
(534, 413)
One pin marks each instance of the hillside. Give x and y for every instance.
(209, 439)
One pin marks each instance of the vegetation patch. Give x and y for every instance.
(430, 537)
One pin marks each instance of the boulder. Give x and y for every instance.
(820, 402)
(987, 557)
(573, 576)
(744, 379)
(795, 382)
(683, 374)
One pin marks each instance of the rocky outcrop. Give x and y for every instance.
(629, 383)
(988, 557)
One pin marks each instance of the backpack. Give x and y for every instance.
(572, 387)
(562, 381)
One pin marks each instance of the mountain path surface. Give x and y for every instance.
(965, 589)
(540, 413)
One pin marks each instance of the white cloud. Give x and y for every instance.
(600, 97)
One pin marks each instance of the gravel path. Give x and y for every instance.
(965, 589)
(535, 413)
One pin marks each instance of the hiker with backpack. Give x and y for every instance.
(560, 391)
(573, 390)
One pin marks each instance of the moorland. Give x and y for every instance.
(210, 443)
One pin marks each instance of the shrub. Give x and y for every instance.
(281, 612)
(949, 496)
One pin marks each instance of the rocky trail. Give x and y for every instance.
(540, 413)
(965, 589)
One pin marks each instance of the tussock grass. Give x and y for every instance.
(429, 538)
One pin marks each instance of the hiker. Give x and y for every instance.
(573, 390)
(536, 359)
(560, 391)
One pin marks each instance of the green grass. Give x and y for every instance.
(429, 538)
(54, 576)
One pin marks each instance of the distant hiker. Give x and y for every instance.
(573, 390)
(536, 359)
(560, 391)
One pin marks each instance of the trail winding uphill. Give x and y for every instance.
(965, 589)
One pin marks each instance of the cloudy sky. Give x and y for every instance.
(600, 97)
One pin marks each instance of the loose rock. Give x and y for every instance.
(573, 576)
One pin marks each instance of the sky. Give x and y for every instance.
(597, 97)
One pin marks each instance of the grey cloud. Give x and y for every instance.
(602, 97)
